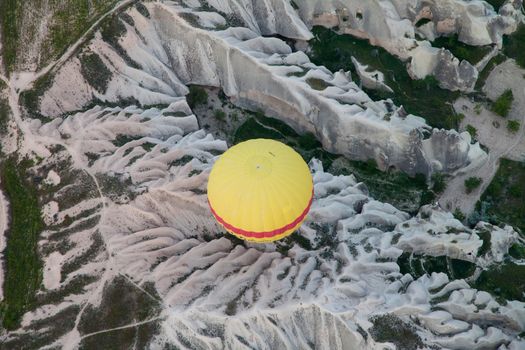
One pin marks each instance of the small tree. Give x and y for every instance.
(197, 96)
(477, 108)
(472, 183)
(220, 115)
(513, 126)
(472, 131)
(502, 105)
(438, 183)
(458, 214)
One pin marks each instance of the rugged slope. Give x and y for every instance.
(405, 28)
(257, 73)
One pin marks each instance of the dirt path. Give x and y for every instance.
(24, 80)
(492, 132)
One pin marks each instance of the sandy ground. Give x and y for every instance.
(492, 132)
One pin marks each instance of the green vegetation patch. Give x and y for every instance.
(390, 328)
(517, 251)
(220, 115)
(503, 201)
(484, 74)
(123, 303)
(191, 18)
(115, 187)
(505, 282)
(31, 98)
(503, 104)
(462, 51)
(66, 21)
(297, 74)
(123, 139)
(4, 115)
(458, 214)
(9, 12)
(197, 96)
(112, 29)
(420, 97)
(95, 71)
(514, 45)
(71, 19)
(43, 332)
(395, 187)
(472, 183)
(496, 3)
(513, 126)
(485, 236)
(419, 265)
(23, 268)
(472, 131)
(142, 9)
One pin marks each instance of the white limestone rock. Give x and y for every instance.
(371, 79)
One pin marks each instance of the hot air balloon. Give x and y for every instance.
(260, 190)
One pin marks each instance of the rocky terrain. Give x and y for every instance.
(342, 116)
(105, 152)
(405, 29)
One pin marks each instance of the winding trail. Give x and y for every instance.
(491, 132)
(24, 80)
(131, 325)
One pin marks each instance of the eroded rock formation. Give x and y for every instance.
(256, 73)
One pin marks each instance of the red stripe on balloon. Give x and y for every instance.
(267, 234)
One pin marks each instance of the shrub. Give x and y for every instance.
(472, 183)
(220, 115)
(95, 71)
(477, 109)
(472, 131)
(458, 214)
(502, 105)
(4, 116)
(513, 125)
(438, 181)
(390, 328)
(514, 44)
(197, 96)
(496, 4)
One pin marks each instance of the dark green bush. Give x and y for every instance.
(197, 96)
(95, 71)
(513, 125)
(502, 105)
(472, 183)
(220, 115)
(472, 131)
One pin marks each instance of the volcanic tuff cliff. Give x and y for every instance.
(151, 60)
(401, 27)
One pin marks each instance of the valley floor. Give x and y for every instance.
(491, 132)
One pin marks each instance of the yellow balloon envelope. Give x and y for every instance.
(260, 190)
